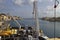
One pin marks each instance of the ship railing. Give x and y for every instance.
(18, 38)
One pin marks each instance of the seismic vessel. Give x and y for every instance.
(21, 33)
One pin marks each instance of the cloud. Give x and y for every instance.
(21, 2)
(48, 0)
(51, 0)
(36, 0)
(49, 10)
(58, 7)
(2, 1)
(32, 0)
(58, 11)
(18, 2)
(46, 8)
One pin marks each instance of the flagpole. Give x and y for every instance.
(55, 6)
(54, 18)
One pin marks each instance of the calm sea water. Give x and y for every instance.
(46, 26)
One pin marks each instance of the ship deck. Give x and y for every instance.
(53, 39)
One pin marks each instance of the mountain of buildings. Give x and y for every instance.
(51, 19)
(6, 17)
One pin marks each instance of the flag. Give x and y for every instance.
(56, 3)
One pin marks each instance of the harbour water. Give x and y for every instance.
(46, 26)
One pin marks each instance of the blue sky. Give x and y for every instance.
(24, 8)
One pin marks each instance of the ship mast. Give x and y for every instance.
(35, 12)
